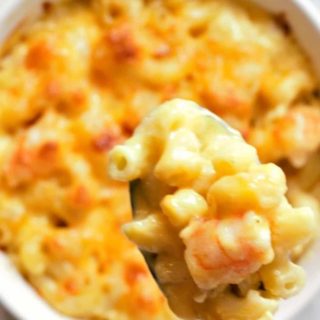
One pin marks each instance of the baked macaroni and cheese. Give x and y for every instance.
(215, 219)
(79, 79)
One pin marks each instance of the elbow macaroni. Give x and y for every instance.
(209, 241)
(89, 71)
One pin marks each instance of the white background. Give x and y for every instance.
(310, 312)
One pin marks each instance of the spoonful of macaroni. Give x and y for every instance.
(212, 222)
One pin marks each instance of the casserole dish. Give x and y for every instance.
(27, 305)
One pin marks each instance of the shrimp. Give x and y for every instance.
(299, 133)
(295, 136)
(226, 251)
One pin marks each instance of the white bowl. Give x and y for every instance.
(15, 293)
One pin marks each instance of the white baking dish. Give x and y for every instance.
(21, 299)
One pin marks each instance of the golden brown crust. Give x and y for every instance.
(78, 81)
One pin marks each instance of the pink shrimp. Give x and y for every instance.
(299, 133)
(295, 136)
(228, 250)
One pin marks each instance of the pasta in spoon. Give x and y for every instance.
(213, 222)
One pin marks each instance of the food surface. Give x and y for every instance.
(215, 219)
(79, 79)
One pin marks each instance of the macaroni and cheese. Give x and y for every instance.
(211, 214)
(78, 80)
